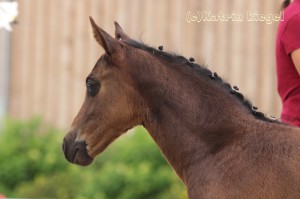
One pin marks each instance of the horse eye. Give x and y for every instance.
(92, 87)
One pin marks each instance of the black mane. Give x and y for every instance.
(203, 71)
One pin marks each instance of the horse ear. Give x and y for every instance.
(103, 38)
(119, 33)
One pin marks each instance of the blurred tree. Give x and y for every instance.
(32, 165)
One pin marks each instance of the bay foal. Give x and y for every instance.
(217, 142)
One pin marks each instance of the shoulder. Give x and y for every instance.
(291, 15)
(291, 28)
(294, 20)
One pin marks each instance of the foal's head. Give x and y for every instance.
(111, 104)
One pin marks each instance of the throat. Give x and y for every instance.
(176, 143)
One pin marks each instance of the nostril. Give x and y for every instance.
(76, 149)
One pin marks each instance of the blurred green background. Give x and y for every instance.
(32, 165)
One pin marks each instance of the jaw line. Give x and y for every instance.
(100, 147)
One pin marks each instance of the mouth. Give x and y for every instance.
(76, 152)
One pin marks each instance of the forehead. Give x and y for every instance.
(101, 64)
(102, 61)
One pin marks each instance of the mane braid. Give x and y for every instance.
(202, 71)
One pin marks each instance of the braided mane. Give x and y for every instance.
(173, 58)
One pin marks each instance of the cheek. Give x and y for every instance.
(107, 111)
(124, 117)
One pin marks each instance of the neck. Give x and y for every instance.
(186, 117)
